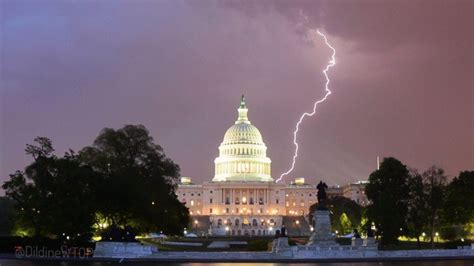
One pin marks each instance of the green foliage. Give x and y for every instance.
(346, 225)
(124, 179)
(388, 192)
(138, 181)
(59, 200)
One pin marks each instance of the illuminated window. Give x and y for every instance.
(192, 202)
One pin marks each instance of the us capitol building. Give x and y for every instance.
(243, 198)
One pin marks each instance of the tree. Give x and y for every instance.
(43, 148)
(54, 196)
(459, 207)
(346, 225)
(417, 206)
(387, 191)
(7, 214)
(458, 210)
(434, 182)
(138, 188)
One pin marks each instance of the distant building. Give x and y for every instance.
(242, 198)
(356, 192)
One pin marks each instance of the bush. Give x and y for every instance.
(258, 245)
(457, 243)
(117, 234)
(453, 232)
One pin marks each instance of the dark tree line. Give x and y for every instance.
(407, 203)
(123, 180)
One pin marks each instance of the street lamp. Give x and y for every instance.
(298, 226)
(437, 237)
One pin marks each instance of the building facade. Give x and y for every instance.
(242, 198)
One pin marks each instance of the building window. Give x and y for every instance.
(236, 210)
(199, 194)
(210, 210)
(260, 201)
(210, 191)
(192, 194)
(227, 201)
(226, 210)
(277, 201)
(210, 200)
(251, 201)
(237, 222)
(192, 202)
(237, 200)
(287, 204)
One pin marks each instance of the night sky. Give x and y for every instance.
(403, 84)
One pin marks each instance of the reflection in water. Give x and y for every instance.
(116, 263)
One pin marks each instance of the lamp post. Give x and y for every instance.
(298, 227)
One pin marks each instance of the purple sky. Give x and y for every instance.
(402, 86)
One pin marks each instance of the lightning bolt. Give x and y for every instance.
(331, 63)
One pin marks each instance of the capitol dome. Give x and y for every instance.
(242, 153)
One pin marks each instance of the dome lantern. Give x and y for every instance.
(242, 112)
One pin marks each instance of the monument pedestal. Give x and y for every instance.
(369, 243)
(281, 246)
(322, 236)
(356, 242)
